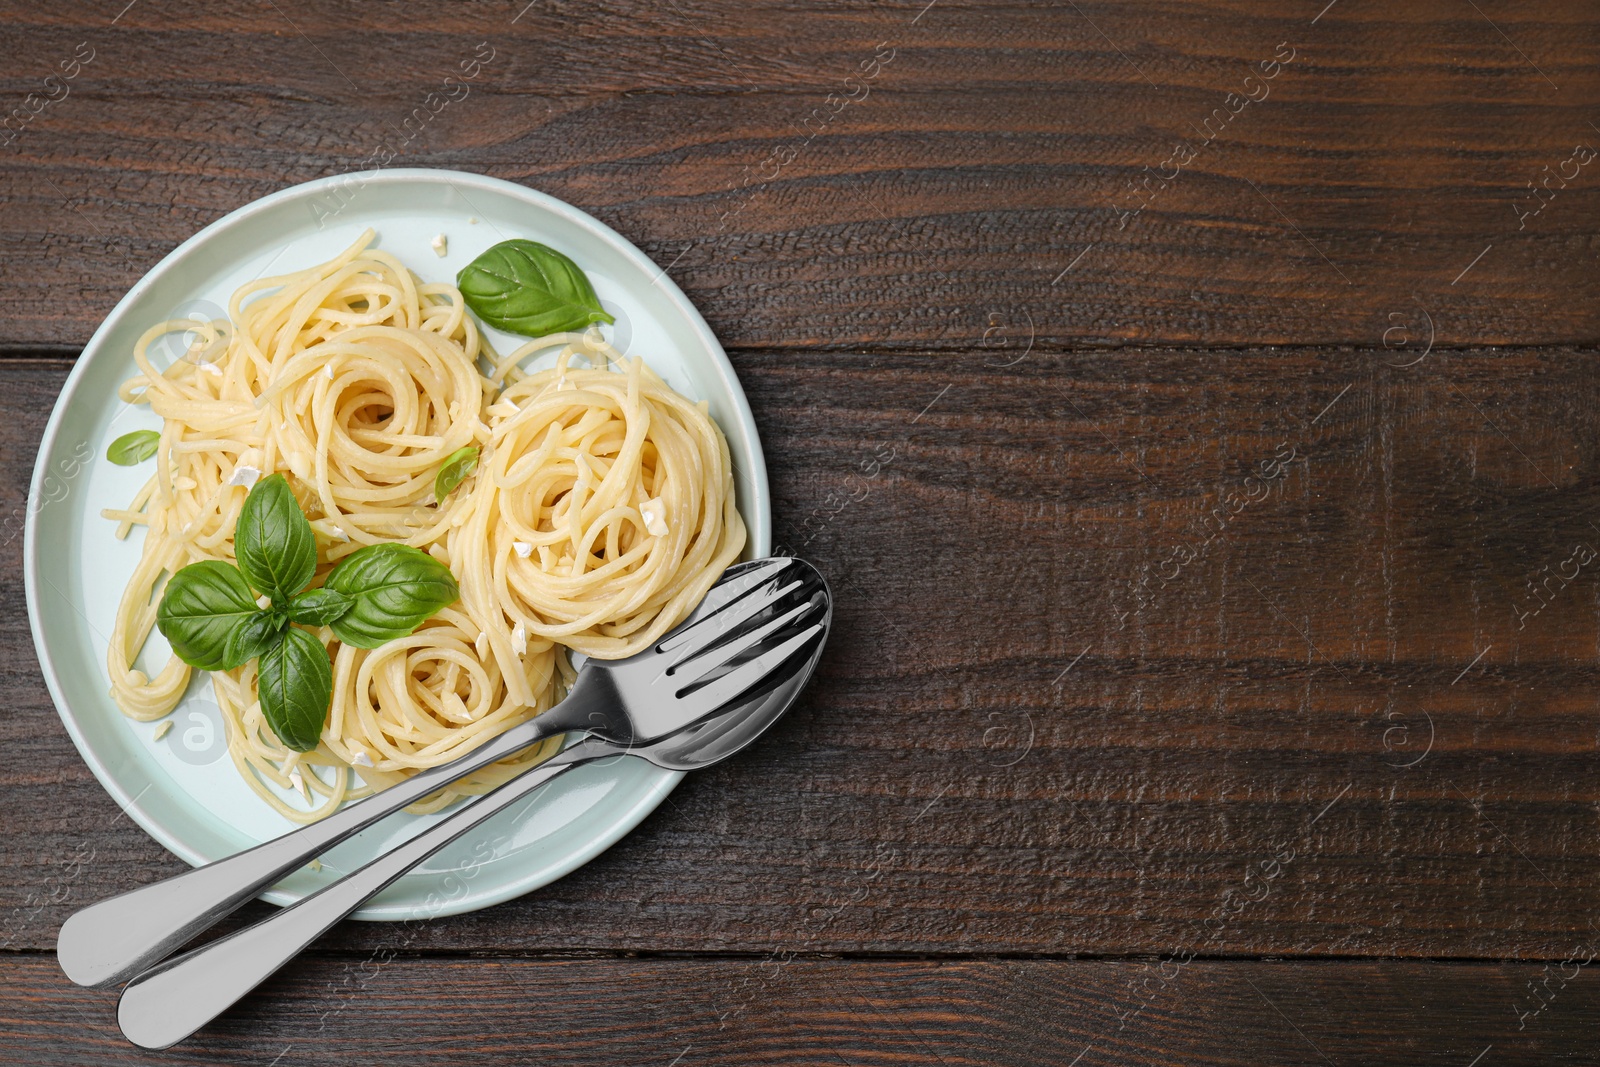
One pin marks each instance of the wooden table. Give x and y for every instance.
(1210, 484)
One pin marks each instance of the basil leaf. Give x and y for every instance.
(457, 465)
(394, 588)
(252, 638)
(200, 608)
(273, 541)
(529, 288)
(133, 448)
(318, 607)
(295, 683)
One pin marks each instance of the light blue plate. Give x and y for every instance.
(184, 789)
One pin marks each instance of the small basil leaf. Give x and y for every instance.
(528, 288)
(253, 638)
(200, 608)
(295, 683)
(394, 588)
(318, 607)
(457, 465)
(133, 448)
(273, 541)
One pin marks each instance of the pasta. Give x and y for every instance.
(601, 511)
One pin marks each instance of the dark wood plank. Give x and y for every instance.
(799, 1012)
(1040, 728)
(985, 179)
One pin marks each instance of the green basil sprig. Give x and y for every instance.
(133, 448)
(209, 613)
(457, 465)
(528, 288)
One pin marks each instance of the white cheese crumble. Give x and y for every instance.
(654, 513)
(327, 371)
(263, 602)
(519, 639)
(298, 782)
(361, 759)
(245, 476)
(441, 245)
(522, 548)
(164, 729)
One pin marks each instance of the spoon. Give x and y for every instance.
(169, 1002)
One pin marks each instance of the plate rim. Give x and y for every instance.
(757, 513)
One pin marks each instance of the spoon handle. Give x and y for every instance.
(169, 1002)
(114, 939)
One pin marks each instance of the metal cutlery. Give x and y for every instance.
(172, 1000)
(755, 617)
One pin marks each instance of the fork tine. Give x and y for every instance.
(722, 596)
(727, 622)
(731, 685)
(694, 667)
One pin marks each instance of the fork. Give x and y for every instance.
(684, 677)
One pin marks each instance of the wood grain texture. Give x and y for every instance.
(990, 175)
(1226, 654)
(693, 1013)
(1208, 588)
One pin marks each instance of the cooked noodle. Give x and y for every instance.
(601, 511)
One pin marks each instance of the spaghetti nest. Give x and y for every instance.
(601, 511)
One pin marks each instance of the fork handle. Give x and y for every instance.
(169, 1002)
(113, 940)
